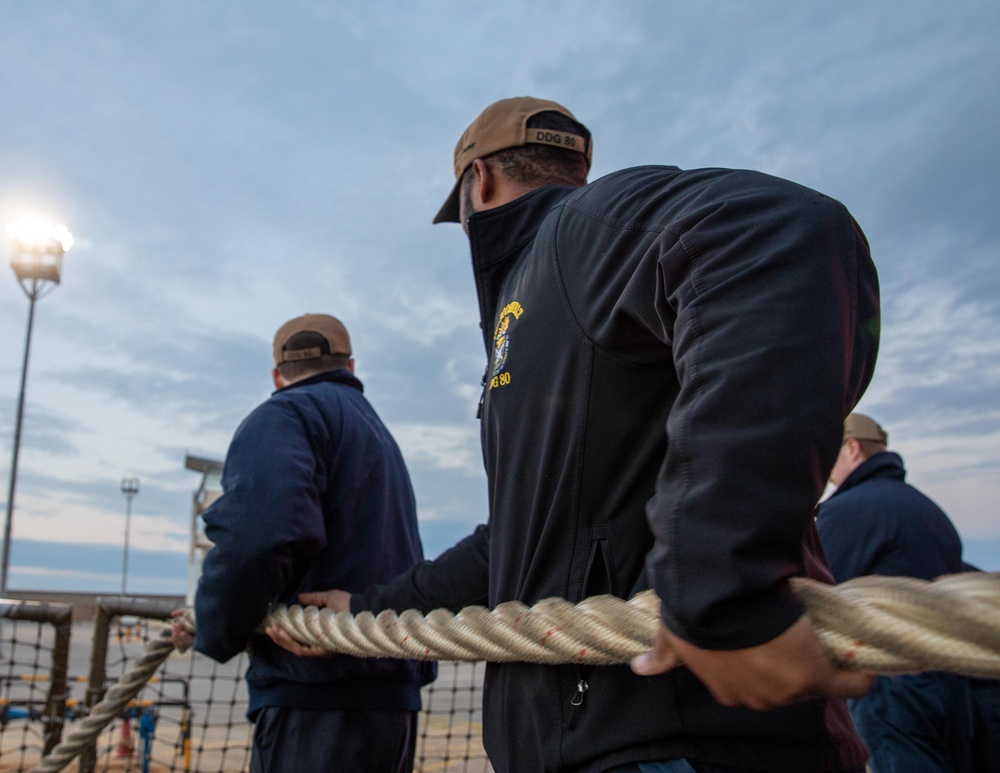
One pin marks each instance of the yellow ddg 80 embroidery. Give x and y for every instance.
(501, 344)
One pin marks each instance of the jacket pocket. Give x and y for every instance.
(598, 577)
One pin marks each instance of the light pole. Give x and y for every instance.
(130, 487)
(37, 256)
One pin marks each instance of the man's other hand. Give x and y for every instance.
(336, 600)
(790, 668)
(283, 639)
(178, 633)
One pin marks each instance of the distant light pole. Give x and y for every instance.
(130, 487)
(39, 247)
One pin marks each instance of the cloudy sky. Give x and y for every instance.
(226, 166)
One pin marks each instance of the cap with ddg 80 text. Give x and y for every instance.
(861, 427)
(503, 125)
(330, 328)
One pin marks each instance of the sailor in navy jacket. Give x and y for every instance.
(315, 495)
(670, 355)
(876, 523)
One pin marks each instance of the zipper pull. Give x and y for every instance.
(581, 690)
(482, 395)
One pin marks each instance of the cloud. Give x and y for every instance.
(49, 430)
(226, 168)
(444, 447)
(76, 567)
(941, 353)
(40, 518)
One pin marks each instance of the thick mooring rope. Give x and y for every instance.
(601, 630)
(889, 625)
(898, 625)
(111, 706)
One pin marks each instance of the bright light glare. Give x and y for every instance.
(39, 234)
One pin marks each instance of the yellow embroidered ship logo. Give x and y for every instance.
(501, 343)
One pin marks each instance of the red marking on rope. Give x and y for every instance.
(427, 651)
(582, 655)
(405, 638)
(850, 654)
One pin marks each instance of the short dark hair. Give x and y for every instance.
(299, 369)
(535, 164)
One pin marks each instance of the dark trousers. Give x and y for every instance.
(304, 741)
(918, 723)
(986, 711)
(680, 766)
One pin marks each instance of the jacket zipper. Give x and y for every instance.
(581, 692)
(482, 395)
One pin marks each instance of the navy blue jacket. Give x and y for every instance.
(315, 496)
(876, 523)
(670, 357)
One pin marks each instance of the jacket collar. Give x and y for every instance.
(885, 464)
(495, 234)
(337, 375)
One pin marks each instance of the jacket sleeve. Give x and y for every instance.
(768, 301)
(457, 578)
(268, 519)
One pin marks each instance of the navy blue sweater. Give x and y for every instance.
(315, 496)
(876, 523)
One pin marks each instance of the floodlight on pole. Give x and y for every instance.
(38, 249)
(130, 487)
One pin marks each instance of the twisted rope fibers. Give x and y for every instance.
(889, 625)
(897, 625)
(114, 702)
(598, 631)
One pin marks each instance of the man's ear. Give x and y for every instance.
(483, 184)
(350, 364)
(278, 379)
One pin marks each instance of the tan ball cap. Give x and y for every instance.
(331, 328)
(503, 125)
(861, 427)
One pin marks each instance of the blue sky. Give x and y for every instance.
(226, 166)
